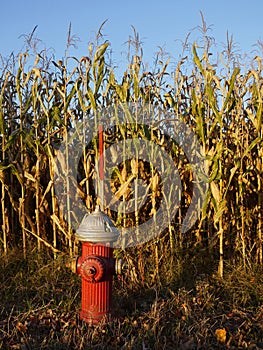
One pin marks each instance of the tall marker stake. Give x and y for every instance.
(101, 166)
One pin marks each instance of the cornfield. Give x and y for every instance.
(220, 101)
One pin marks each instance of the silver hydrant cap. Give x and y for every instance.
(97, 227)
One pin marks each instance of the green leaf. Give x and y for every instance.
(18, 84)
(12, 139)
(69, 97)
(222, 206)
(13, 170)
(251, 146)
(100, 51)
(91, 98)
(100, 76)
(232, 173)
(136, 87)
(231, 87)
(197, 60)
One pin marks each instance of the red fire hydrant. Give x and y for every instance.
(96, 265)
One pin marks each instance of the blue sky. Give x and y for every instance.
(159, 23)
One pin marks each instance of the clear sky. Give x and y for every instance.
(159, 23)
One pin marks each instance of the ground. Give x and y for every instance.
(40, 303)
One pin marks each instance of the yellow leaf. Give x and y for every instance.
(155, 182)
(220, 335)
(215, 191)
(29, 176)
(134, 166)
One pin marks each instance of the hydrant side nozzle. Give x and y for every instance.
(93, 268)
(120, 265)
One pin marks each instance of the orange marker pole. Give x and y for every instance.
(101, 165)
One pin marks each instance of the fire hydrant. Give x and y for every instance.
(96, 265)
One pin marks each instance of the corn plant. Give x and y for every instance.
(219, 101)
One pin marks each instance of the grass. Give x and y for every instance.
(40, 301)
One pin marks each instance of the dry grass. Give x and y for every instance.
(40, 301)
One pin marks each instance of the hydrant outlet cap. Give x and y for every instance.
(97, 227)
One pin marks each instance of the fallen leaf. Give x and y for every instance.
(21, 327)
(220, 335)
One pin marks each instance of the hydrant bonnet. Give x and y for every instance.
(97, 227)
